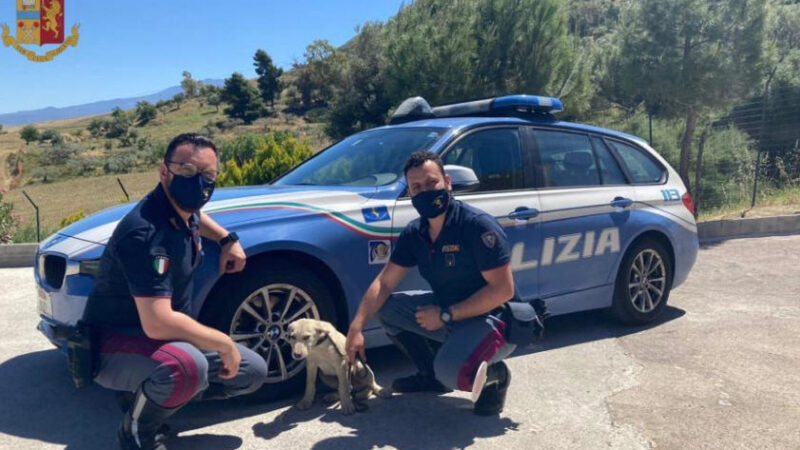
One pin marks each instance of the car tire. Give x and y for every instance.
(233, 304)
(643, 283)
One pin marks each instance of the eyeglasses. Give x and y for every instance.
(189, 170)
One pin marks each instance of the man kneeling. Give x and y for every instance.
(463, 254)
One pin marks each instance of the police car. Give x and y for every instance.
(595, 219)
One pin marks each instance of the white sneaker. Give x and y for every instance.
(480, 381)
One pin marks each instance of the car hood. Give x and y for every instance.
(229, 206)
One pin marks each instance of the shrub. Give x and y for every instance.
(9, 221)
(72, 218)
(257, 159)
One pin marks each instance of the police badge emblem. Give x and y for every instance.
(489, 239)
(40, 22)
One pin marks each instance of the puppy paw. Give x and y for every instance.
(348, 408)
(331, 397)
(304, 404)
(383, 392)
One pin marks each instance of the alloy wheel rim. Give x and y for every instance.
(260, 323)
(646, 281)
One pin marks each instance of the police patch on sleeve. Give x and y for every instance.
(489, 239)
(161, 265)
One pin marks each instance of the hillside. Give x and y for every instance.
(92, 192)
(90, 109)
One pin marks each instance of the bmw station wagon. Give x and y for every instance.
(595, 219)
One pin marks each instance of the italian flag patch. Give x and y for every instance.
(161, 265)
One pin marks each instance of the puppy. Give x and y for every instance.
(322, 346)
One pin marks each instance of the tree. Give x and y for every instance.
(51, 136)
(118, 126)
(363, 99)
(317, 77)
(685, 57)
(29, 133)
(145, 112)
(268, 77)
(177, 99)
(189, 85)
(96, 127)
(243, 98)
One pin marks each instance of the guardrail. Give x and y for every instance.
(21, 255)
(17, 255)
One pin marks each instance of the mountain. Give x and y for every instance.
(90, 109)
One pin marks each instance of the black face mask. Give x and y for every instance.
(191, 193)
(430, 204)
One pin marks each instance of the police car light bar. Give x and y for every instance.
(499, 105)
(416, 108)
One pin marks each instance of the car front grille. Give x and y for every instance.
(54, 269)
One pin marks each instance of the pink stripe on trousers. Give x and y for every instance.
(181, 365)
(485, 351)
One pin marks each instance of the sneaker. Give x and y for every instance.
(492, 396)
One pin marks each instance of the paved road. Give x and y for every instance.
(722, 370)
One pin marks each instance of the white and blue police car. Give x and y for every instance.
(595, 219)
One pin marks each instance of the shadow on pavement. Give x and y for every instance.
(588, 326)
(40, 402)
(408, 421)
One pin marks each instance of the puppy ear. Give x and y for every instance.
(330, 330)
(320, 334)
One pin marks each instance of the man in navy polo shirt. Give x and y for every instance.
(139, 309)
(463, 254)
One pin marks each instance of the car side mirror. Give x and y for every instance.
(463, 179)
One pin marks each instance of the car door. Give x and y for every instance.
(505, 191)
(585, 209)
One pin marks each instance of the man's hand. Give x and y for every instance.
(428, 317)
(231, 358)
(232, 258)
(355, 345)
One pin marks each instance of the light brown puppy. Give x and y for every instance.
(322, 346)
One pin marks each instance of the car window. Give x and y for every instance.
(641, 167)
(564, 159)
(609, 169)
(370, 158)
(494, 155)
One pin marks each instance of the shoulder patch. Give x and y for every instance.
(161, 265)
(489, 239)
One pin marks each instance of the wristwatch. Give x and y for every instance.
(446, 316)
(231, 237)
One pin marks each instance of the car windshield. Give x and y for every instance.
(371, 158)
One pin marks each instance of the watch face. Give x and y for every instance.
(445, 317)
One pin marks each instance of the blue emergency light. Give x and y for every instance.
(416, 108)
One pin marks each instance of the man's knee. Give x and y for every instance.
(181, 374)
(253, 372)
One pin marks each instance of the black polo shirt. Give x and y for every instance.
(152, 253)
(471, 241)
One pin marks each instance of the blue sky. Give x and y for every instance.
(130, 48)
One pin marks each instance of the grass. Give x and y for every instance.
(769, 202)
(59, 200)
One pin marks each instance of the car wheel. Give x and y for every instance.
(643, 283)
(255, 308)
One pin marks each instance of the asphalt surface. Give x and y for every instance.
(721, 370)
